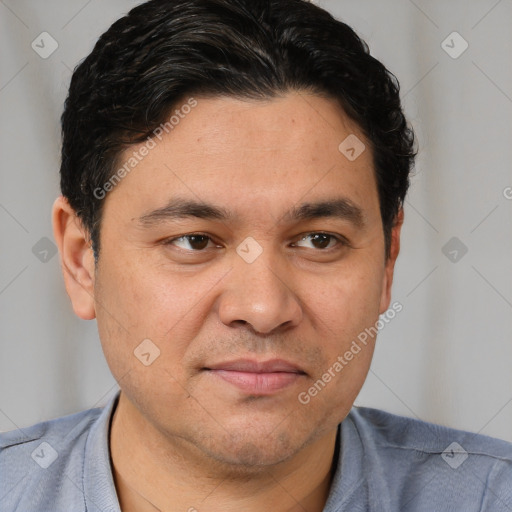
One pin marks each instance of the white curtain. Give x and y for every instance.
(444, 358)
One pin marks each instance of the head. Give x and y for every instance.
(233, 174)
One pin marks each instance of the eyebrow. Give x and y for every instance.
(178, 208)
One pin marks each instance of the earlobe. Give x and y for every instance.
(390, 262)
(76, 257)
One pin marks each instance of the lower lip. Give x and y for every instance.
(258, 383)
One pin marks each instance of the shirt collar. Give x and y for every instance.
(98, 481)
(349, 474)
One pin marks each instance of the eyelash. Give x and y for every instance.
(341, 241)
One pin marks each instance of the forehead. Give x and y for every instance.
(250, 156)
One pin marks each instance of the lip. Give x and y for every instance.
(257, 377)
(252, 366)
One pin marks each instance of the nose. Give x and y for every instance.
(259, 294)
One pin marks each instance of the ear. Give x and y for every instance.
(390, 262)
(76, 257)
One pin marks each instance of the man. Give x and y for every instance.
(233, 174)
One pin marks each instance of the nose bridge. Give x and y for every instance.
(258, 291)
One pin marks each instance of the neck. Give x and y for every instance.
(153, 472)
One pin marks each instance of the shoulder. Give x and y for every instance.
(429, 465)
(48, 455)
(390, 431)
(71, 426)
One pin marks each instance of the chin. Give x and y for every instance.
(250, 457)
(252, 450)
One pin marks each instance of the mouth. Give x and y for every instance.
(257, 378)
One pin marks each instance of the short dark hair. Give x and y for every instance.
(165, 50)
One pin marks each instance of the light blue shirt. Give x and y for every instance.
(386, 463)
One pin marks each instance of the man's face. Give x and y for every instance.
(256, 286)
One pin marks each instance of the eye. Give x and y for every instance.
(198, 242)
(322, 241)
(195, 242)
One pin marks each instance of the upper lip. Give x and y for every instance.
(252, 366)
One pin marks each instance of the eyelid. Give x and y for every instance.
(342, 241)
(168, 241)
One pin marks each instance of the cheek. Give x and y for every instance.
(347, 301)
(136, 307)
(142, 301)
(146, 300)
(345, 315)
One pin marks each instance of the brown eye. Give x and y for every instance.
(195, 242)
(320, 241)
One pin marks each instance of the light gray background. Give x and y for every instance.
(445, 358)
